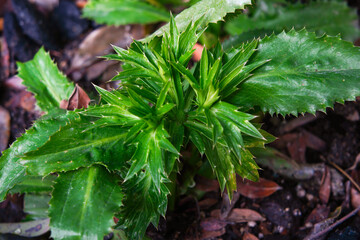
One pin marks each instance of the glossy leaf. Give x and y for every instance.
(306, 73)
(74, 146)
(121, 12)
(211, 10)
(143, 204)
(11, 172)
(83, 203)
(315, 16)
(43, 78)
(34, 184)
(148, 155)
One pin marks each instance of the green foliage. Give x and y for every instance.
(118, 157)
(42, 77)
(306, 73)
(11, 172)
(75, 203)
(330, 17)
(210, 10)
(120, 12)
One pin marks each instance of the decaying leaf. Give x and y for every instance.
(240, 215)
(325, 186)
(319, 214)
(249, 236)
(324, 224)
(262, 188)
(98, 43)
(78, 99)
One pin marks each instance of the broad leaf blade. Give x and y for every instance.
(11, 172)
(121, 12)
(42, 77)
(34, 184)
(328, 17)
(306, 73)
(211, 10)
(83, 204)
(75, 145)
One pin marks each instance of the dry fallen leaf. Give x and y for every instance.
(212, 234)
(319, 214)
(207, 203)
(78, 99)
(262, 188)
(212, 224)
(318, 227)
(355, 197)
(240, 215)
(207, 185)
(249, 236)
(325, 186)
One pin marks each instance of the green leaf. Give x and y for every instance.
(143, 204)
(11, 172)
(36, 206)
(211, 10)
(83, 203)
(328, 17)
(42, 77)
(221, 163)
(76, 145)
(148, 155)
(34, 184)
(306, 73)
(122, 12)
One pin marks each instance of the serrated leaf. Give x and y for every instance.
(220, 161)
(328, 17)
(210, 10)
(148, 155)
(121, 12)
(75, 145)
(115, 99)
(42, 77)
(143, 205)
(74, 206)
(229, 112)
(306, 74)
(11, 172)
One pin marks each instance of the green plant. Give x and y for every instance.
(273, 16)
(118, 156)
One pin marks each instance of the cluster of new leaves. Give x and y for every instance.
(117, 156)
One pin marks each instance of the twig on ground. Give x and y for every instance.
(345, 174)
(332, 226)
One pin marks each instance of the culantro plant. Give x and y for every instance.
(115, 158)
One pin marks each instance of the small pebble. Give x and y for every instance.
(251, 224)
(309, 197)
(308, 225)
(296, 212)
(300, 192)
